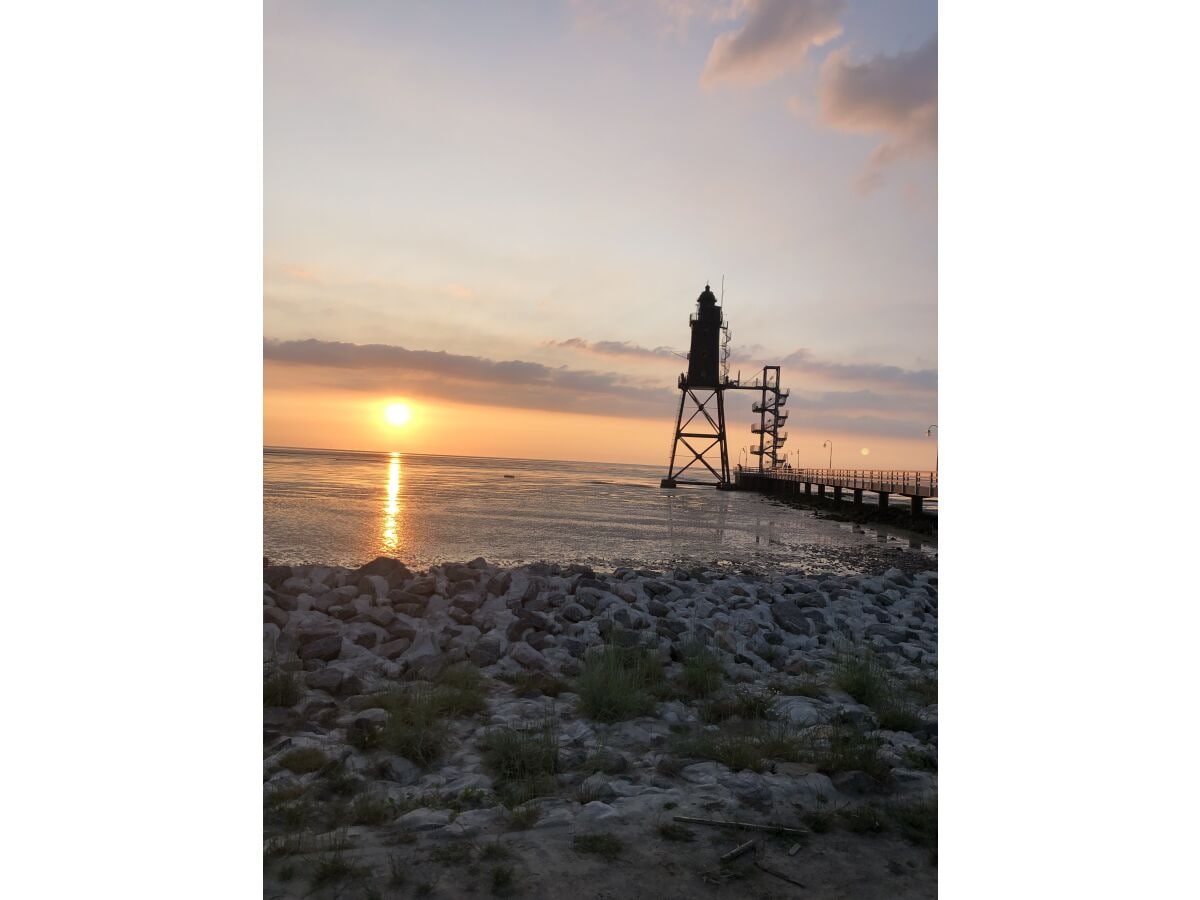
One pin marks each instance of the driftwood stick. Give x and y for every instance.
(777, 874)
(738, 851)
(777, 829)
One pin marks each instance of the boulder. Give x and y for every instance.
(394, 571)
(375, 585)
(328, 679)
(527, 656)
(393, 649)
(487, 650)
(423, 819)
(596, 813)
(789, 617)
(325, 648)
(275, 576)
(276, 616)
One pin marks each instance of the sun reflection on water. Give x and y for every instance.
(391, 533)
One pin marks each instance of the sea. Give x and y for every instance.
(342, 507)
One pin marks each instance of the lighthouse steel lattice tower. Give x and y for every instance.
(700, 438)
(703, 386)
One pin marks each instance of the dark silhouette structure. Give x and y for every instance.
(701, 436)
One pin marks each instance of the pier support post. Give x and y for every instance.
(883, 499)
(917, 506)
(837, 493)
(858, 496)
(808, 488)
(821, 491)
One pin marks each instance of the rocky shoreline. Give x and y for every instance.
(476, 730)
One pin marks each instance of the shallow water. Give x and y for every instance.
(345, 508)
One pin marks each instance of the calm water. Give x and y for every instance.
(344, 507)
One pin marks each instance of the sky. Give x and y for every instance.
(501, 216)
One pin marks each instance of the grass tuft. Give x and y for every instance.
(503, 879)
(282, 688)
(605, 845)
(861, 674)
(303, 760)
(840, 747)
(330, 868)
(616, 681)
(517, 754)
(524, 817)
(415, 728)
(673, 831)
(745, 704)
(702, 669)
(452, 854)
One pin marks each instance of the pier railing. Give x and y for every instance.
(906, 482)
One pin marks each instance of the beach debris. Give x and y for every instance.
(794, 848)
(737, 851)
(753, 826)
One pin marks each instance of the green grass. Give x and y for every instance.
(452, 854)
(503, 879)
(897, 715)
(616, 683)
(305, 842)
(840, 747)
(925, 688)
(673, 831)
(494, 851)
(525, 790)
(330, 868)
(539, 683)
(415, 728)
(517, 754)
(751, 745)
(800, 686)
(282, 688)
(922, 760)
(461, 691)
(398, 875)
(818, 821)
(303, 760)
(370, 809)
(523, 817)
(607, 846)
(702, 669)
(917, 822)
(861, 674)
(863, 820)
(744, 704)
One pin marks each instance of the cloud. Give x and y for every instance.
(895, 96)
(467, 379)
(387, 368)
(862, 373)
(617, 348)
(776, 37)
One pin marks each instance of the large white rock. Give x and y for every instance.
(424, 819)
(596, 813)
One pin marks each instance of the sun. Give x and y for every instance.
(397, 414)
(865, 451)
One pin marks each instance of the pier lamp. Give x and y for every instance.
(929, 433)
(829, 444)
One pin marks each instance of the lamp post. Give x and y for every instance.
(929, 433)
(743, 453)
(829, 444)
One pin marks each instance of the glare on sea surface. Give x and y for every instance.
(397, 414)
(391, 534)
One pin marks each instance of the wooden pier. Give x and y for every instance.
(883, 482)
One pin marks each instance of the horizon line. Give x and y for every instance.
(457, 456)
